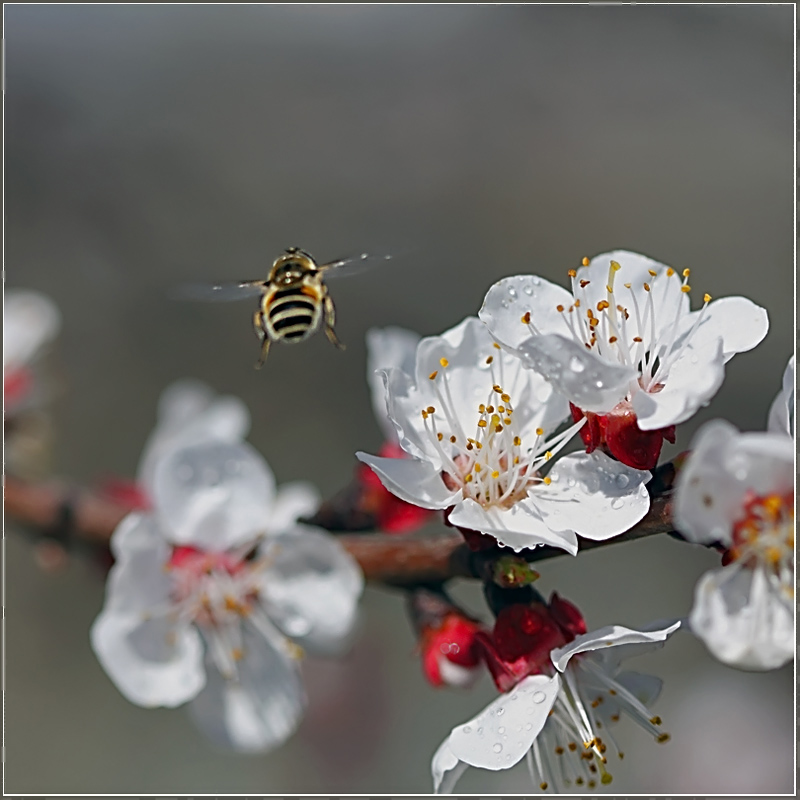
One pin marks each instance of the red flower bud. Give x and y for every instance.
(450, 652)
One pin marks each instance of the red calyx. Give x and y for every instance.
(520, 644)
(567, 616)
(619, 432)
(126, 493)
(454, 640)
(392, 515)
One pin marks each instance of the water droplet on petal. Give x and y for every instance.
(538, 697)
(599, 384)
(480, 731)
(501, 729)
(570, 481)
(528, 290)
(617, 502)
(512, 293)
(500, 711)
(467, 729)
(622, 480)
(536, 281)
(576, 365)
(497, 747)
(504, 304)
(529, 726)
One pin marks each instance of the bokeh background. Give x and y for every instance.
(148, 146)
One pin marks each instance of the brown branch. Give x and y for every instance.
(394, 559)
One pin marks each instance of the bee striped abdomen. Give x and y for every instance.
(293, 313)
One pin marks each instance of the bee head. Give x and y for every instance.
(291, 267)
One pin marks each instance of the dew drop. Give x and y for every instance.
(480, 731)
(504, 304)
(513, 696)
(570, 481)
(694, 359)
(508, 757)
(297, 626)
(538, 697)
(512, 293)
(500, 711)
(576, 365)
(467, 729)
(599, 384)
(536, 281)
(617, 502)
(497, 747)
(622, 481)
(528, 290)
(529, 726)
(501, 729)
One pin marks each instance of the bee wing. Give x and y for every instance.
(220, 292)
(353, 265)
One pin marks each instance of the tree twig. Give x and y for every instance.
(391, 559)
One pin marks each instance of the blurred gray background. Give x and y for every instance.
(148, 146)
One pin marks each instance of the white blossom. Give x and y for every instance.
(559, 720)
(781, 412)
(479, 428)
(216, 592)
(737, 490)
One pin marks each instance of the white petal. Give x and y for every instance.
(724, 464)
(215, 496)
(152, 660)
(508, 301)
(592, 495)
(446, 769)
(311, 586)
(293, 500)
(609, 636)
(744, 620)
(261, 709)
(588, 381)
(404, 404)
(387, 348)
(481, 743)
(30, 320)
(781, 412)
(519, 527)
(739, 322)
(412, 480)
(691, 382)
(190, 413)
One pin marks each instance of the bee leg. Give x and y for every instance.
(330, 320)
(263, 338)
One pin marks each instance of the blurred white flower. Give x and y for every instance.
(737, 490)
(781, 412)
(553, 719)
(633, 357)
(30, 322)
(215, 592)
(478, 427)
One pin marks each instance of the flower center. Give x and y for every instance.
(764, 536)
(653, 347)
(493, 467)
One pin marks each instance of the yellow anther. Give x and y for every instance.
(467, 478)
(469, 445)
(430, 410)
(559, 308)
(609, 288)
(612, 691)
(440, 436)
(505, 397)
(572, 746)
(489, 359)
(591, 784)
(478, 468)
(543, 786)
(612, 339)
(577, 303)
(670, 272)
(621, 754)
(479, 445)
(706, 298)
(481, 424)
(444, 362)
(433, 374)
(547, 481)
(663, 737)
(686, 272)
(517, 441)
(526, 317)
(495, 474)
(497, 389)
(637, 338)
(572, 273)
(453, 439)
(773, 505)
(424, 414)
(490, 409)
(495, 345)
(646, 287)
(237, 654)
(501, 409)
(585, 261)
(627, 285)
(482, 408)
(498, 428)
(584, 283)
(559, 750)
(655, 720)
(506, 420)
(652, 272)
(548, 455)
(773, 554)
(539, 431)
(495, 418)
(516, 459)
(686, 288)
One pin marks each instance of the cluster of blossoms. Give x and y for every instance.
(217, 589)
(481, 413)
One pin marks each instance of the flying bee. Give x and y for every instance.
(294, 298)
